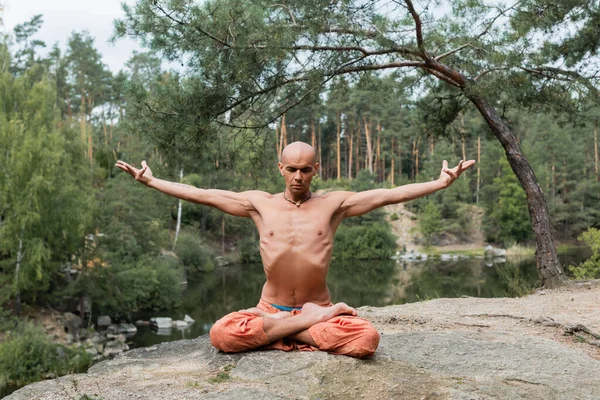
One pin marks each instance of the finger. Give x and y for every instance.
(467, 164)
(445, 164)
(144, 164)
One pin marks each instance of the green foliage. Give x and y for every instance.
(193, 254)
(363, 242)
(589, 269)
(28, 355)
(150, 283)
(508, 220)
(429, 222)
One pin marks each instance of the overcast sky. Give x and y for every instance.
(61, 17)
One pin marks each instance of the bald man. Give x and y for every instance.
(296, 229)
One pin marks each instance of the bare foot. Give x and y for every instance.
(261, 313)
(322, 314)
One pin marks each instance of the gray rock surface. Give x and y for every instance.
(468, 348)
(412, 365)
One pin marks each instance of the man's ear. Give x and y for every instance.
(280, 166)
(316, 169)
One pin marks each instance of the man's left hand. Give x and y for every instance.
(448, 176)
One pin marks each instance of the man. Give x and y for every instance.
(296, 231)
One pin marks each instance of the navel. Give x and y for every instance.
(320, 233)
(271, 233)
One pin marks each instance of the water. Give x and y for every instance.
(373, 283)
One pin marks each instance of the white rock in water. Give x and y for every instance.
(180, 324)
(161, 322)
(188, 319)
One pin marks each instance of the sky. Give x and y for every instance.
(62, 17)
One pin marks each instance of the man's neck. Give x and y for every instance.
(298, 197)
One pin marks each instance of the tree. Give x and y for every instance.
(245, 51)
(44, 209)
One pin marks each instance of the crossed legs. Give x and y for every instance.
(335, 329)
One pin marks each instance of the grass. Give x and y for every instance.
(517, 250)
(471, 253)
(223, 375)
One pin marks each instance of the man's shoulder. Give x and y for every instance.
(260, 194)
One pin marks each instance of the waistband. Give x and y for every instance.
(285, 308)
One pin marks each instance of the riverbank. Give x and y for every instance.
(533, 347)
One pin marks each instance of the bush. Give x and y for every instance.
(430, 222)
(152, 283)
(250, 249)
(589, 269)
(363, 242)
(195, 256)
(28, 356)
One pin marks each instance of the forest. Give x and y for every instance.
(363, 83)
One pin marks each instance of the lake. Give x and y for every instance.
(373, 283)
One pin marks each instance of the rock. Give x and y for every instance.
(180, 324)
(416, 365)
(188, 319)
(112, 329)
(464, 348)
(103, 321)
(128, 329)
(493, 252)
(161, 323)
(91, 351)
(72, 324)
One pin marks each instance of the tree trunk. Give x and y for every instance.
(17, 270)
(393, 157)
(378, 152)
(319, 140)
(313, 133)
(462, 136)
(369, 155)
(596, 167)
(178, 226)
(548, 265)
(350, 155)
(283, 132)
(478, 169)
(357, 148)
(338, 148)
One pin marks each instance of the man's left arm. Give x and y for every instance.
(362, 202)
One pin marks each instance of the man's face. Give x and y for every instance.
(298, 173)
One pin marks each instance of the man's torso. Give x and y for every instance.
(296, 245)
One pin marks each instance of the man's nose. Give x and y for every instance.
(298, 176)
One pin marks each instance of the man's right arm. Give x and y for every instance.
(237, 204)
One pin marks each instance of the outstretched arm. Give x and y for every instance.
(237, 204)
(362, 202)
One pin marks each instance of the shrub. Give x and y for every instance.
(149, 284)
(195, 256)
(589, 269)
(363, 242)
(28, 356)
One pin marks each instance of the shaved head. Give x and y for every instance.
(298, 150)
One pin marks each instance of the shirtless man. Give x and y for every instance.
(296, 231)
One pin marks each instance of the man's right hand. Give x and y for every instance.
(143, 175)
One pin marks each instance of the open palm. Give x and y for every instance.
(143, 175)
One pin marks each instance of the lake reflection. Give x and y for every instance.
(375, 283)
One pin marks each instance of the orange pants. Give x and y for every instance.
(344, 334)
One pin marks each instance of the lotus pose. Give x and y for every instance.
(296, 229)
